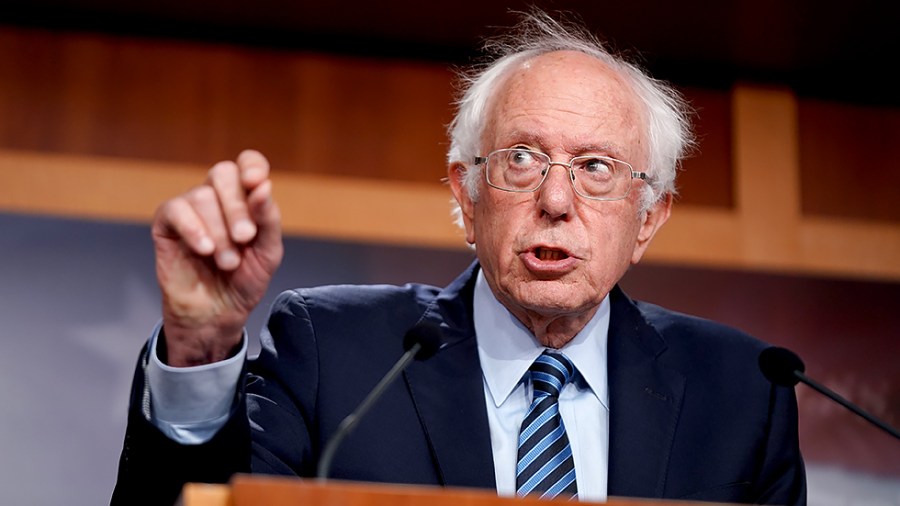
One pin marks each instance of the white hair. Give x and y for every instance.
(668, 130)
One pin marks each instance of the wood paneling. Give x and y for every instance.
(766, 173)
(767, 230)
(410, 213)
(108, 127)
(849, 160)
(707, 178)
(335, 207)
(91, 94)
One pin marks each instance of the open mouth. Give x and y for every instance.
(550, 255)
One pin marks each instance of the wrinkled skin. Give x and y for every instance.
(551, 256)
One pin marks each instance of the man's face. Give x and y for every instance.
(552, 252)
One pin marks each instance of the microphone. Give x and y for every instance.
(421, 342)
(784, 368)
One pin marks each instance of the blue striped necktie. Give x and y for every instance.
(545, 464)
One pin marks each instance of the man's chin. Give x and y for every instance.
(551, 298)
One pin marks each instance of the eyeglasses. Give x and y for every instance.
(593, 177)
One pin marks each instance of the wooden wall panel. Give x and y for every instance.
(707, 177)
(103, 126)
(849, 160)
(93, 94)
(111, 96)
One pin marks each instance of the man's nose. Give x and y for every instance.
(556, 196)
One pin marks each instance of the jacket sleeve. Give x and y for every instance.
(153, 468)
(782, 478)
(267, 431)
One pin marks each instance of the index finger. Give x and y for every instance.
(254, 168)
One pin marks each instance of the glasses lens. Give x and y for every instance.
(601, 177)
(516, 169)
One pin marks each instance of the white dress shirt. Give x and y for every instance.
(506, 350)
(190, 404)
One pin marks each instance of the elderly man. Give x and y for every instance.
(550, 379)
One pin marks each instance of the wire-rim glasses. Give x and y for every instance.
(593, 177)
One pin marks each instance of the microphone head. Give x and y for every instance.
(779, 365)
(427, 335)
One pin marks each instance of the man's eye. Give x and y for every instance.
(522, 158)
(597, 166)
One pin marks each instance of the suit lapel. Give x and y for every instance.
(448, 392)
(645, 398)
(644, 404)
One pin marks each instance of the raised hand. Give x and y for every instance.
(217, 247)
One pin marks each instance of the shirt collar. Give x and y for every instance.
(507, 348)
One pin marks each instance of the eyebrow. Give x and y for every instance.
(521, 137)
(608, 149)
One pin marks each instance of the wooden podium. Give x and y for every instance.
(247, 490)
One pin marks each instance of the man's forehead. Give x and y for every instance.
(554, 78)
(571, 93)
(574, 144)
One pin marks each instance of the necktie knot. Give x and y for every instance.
(550, 372)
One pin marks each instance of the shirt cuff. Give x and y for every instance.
(190, 404)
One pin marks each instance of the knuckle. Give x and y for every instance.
(222, 170)
(201, 195)
(169, 210)
(192, 230)
(164, 210)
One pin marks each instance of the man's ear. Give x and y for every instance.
(455, 174)
(652, 220)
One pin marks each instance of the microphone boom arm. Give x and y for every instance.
(822, 389)
(353, 418)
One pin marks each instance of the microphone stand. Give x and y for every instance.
(353, 418)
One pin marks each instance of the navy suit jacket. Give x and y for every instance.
(691, 416)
